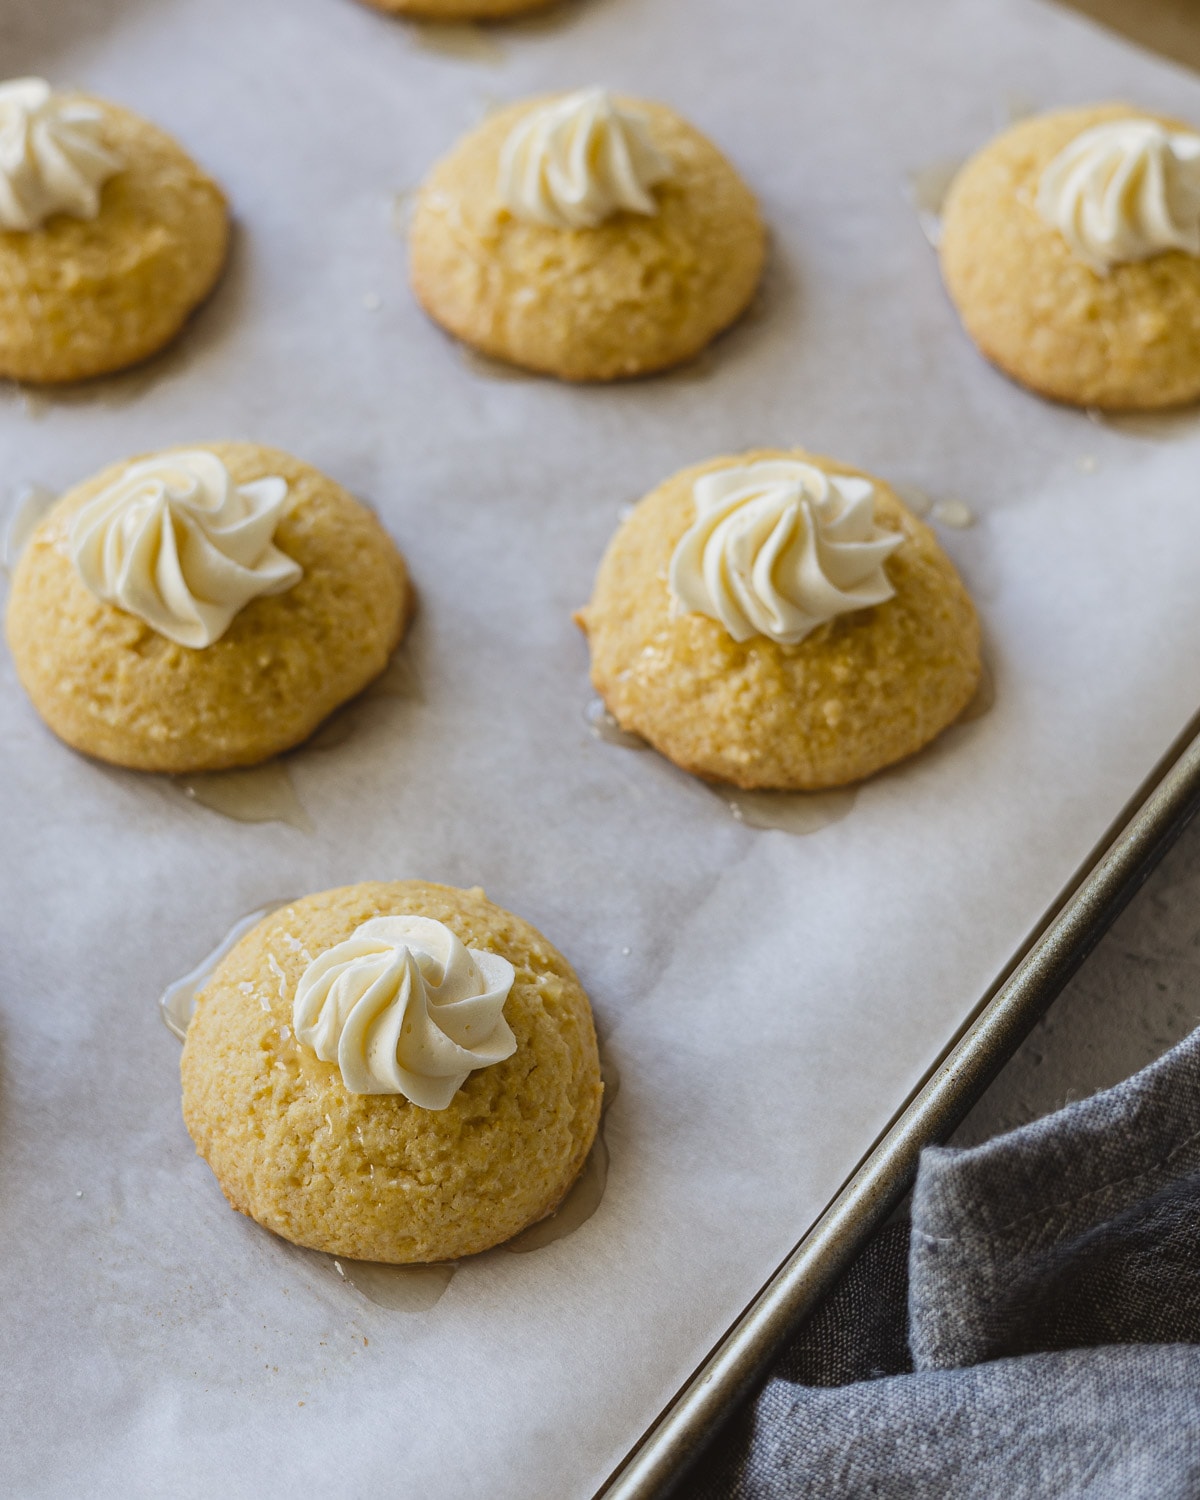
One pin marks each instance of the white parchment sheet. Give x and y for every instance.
(769, 999)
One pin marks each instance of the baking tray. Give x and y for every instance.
(1139, 838)
(1155, 818)
(200, 1357)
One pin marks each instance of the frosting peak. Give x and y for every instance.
(176, 542)
(51, 158)
(403, 1007)
(780, 547)
(579, 160)
(1125, 191)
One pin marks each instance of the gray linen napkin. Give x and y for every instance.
(1046, 1303)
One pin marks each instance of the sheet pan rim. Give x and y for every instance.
(1106, 881)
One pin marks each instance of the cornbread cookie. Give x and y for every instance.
(1125, 335)
(853, 694)
(371, 1175)
(459, 10)
(112, 685)
(641, 290)
(83, 296)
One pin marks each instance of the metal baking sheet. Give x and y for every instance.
(771, 1001)
(1138, 839)
(1157, 815)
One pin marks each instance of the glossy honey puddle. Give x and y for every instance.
(493, 369)
(35, 403)
(462, 40)
(404, 206)
(258, 794)
(800, 813)
(919, 501)
(929, 186)
(605, 727)
(1152, 426)
(984, 700)
(927, 190)
(956, 514)
(114, 391)
(178, 1000)
(26, 506)
(702, 366)
(265, 793)
(418, 1288)
(409, 1289)
(791, 812)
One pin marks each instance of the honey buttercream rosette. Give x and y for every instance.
(393, 1072)
(1071, 249)
(203, 607)
(110, 235)
(586, 235)
(780, 621)
(404, 1007)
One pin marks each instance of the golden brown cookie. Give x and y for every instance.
(1128, 338)
(372, 1176)
(113, 687)
(859, 692)
(459, 10)
(634, 294)
(82, 297)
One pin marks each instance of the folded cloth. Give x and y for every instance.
(1052, 1280)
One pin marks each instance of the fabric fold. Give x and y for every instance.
(1066, 1232)
(1050, 1291)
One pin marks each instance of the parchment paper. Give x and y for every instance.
(769, 999)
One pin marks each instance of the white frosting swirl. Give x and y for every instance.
(176, 542)
(578, 160)
(780, 547)
(1125, 191)
(403, 1007)
(51, 157)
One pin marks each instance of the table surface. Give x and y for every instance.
(1135, 997)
